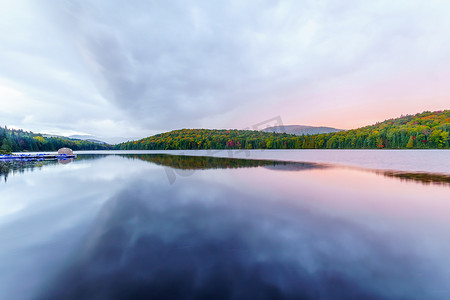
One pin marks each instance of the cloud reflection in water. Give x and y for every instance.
(114, 228)
(151, 242)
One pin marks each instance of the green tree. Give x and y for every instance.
(410, 143)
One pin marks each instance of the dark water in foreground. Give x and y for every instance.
(174, 227)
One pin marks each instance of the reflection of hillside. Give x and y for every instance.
(207, 162)
(184, 162)
(422, 177)
(16, 166)
(295, 166)
(11, 167)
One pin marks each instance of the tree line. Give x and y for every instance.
(12, 140)
(427, 130)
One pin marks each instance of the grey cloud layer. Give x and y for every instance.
(168, 62)
(175, 64)
(158, 65)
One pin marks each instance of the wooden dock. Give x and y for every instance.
(35, 157)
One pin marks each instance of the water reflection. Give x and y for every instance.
(151, 242)
(421, 177)
(112, 227)
(188, 164)
(185, 162)
(13, 167)
(65, 161)
(185, 166)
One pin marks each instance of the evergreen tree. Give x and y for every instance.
(410, 143)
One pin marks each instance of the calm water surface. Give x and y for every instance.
(158, 226)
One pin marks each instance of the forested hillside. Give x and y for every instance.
(19, 140)
(422, 131)
(185, 139)
(426, 130)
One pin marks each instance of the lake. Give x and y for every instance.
(281, 224)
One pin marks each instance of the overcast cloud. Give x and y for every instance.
(135, 68)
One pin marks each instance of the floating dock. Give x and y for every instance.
(35, 157)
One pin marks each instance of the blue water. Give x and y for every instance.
(174, 227)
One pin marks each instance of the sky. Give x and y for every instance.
(136, 68)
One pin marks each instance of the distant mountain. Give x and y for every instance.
(46, 135)
(300, 129)
(101, 140)
(89, 138)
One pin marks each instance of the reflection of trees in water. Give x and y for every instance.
(185, 162)
(422, 177)
(8, 167)
(17, 166)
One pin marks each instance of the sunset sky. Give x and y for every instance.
(136, 68)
